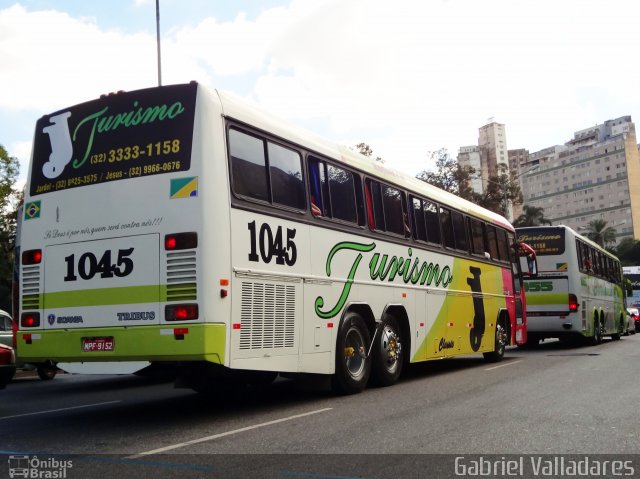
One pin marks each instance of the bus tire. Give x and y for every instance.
(597, 332)
(616, 336)
(500, 343)
(353, 366)
(387, 353)
(46, 371)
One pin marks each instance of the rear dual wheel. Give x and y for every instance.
(500, 344)
(353, 365)
(387, 353)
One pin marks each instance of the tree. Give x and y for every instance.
(501, 191)
(366, 150)
(449, 175)
(531, 216)
(9, 197)
(599, 232)
(628, 251)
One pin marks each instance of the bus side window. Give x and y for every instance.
(248, 165)
(447, 228)
(493, 242)
(476, 230)
(419, 226)
(432, 221)
(386, 208)
(318, 188)
(503, 247)
(285, 169)
(342, 190)
(459, 231)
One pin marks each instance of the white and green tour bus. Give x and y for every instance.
(578, 292)
(178, 224)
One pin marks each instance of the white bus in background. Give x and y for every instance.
(578, 292)
(178, 224)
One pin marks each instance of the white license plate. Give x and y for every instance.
(98, 344)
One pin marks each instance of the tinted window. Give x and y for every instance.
(419, 226)
(394, 217)
(334, 192)
(492, 239)
(343, 197)
(477, 236)
(286, 176)
(248, 165)
(319, 189)
(432, 221)
(459, 231)
(447, 228)
(503, 247)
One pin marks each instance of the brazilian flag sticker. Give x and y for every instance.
(32, 210)
(562, 266)
(184, 187)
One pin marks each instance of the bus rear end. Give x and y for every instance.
(552, 307)
(110, 264)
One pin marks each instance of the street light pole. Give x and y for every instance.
(158, 42)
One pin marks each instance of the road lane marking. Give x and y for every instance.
(506, 364)
(58, 410)
(224, 434)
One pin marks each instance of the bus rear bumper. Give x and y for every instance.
(184, 342)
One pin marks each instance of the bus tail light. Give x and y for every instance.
(30, 320)
(33, 256)
(573, 303)
(181, 312)
(178, 241)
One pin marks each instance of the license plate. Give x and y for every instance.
(97, 344)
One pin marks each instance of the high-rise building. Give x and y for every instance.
(469, 156)
(492, 141)
(593, 176)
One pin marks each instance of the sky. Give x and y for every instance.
(406, 77)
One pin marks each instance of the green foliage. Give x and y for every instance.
(449, 175)
(9, 198)
(599, 232)
(501, 191)
(366, 150)
(531, 216)
(628, 251)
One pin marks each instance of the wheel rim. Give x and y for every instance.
(501, 339)
(391, 348)
(354, 353)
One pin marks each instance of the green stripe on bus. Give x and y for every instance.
(538, 299)
(105, 296)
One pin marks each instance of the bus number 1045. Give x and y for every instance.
(88, 265)
(271, 245)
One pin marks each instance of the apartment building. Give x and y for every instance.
(593, 176)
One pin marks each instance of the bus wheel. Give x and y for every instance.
(353, 366)
(387, 353)
(616, 336)
(500, 344)
(47, 371)
(597, 333)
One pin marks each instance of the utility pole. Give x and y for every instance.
(158, 42)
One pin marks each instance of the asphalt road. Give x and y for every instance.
(552, 400)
